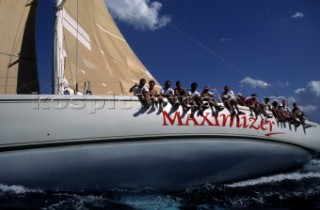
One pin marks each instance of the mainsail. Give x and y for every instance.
(92, 50)
(95, 51)
(18, 68)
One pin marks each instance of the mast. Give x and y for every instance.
(58, 63)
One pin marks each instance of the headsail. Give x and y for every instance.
(95, 51)
(18, 69)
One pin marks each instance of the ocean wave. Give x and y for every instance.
(155, 201)
(73, 201)
(297, 176)
(313, 165)
(299, 189)
(17, 189)
(310, 170)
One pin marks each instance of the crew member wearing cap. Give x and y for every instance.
(208, 100)
(241, 99)
(255, 105)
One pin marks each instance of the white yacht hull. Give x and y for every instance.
(92, 142)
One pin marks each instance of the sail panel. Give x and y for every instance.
(97, 52)
(18, 69)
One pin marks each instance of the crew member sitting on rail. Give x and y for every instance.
(209, 101)
(277, 112)
(298, 113)
(230, 102)
(290, 118)
(241, 99)
(283, 116)
(255, 106)
(194, 97)
(285, 108)
(142, 92)
(250, 102)
(266, 103)
(166, 94)
(181, 96)
(153, 94)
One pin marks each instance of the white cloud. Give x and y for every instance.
(297, 15)
(313, 88)
(142, 14)
(282, 84)
(299, 91)
(254, 83)
(309, 99)
(309, 108)
(225, 40)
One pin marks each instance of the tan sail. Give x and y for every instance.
(96, 51)
(18, 72)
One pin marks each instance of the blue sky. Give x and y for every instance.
(269, 47)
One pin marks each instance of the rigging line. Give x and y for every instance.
(67, 55)
(69, 62)
(15, 43)
(26, 85)
(268, 87)
(207, 49)
(14, 47)
(271, 90)
(77, 45)
(17, 56)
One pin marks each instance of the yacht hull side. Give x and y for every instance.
(99, 142)
(169, 164)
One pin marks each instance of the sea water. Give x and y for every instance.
(299, 189)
